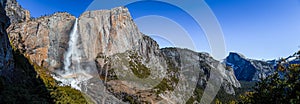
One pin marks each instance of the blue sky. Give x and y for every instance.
(260, 29)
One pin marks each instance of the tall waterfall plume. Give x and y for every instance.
(72, 52)
(74, 73)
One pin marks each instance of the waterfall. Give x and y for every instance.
(73, 73)
(72, 52)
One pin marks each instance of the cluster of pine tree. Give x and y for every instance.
(279, 88)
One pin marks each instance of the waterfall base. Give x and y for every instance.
(75, 80)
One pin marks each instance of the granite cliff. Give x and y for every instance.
(15, 12)
(248, 69)
(44, 40)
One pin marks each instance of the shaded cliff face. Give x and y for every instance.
(43, 40)
(6, 56)
(247, 69)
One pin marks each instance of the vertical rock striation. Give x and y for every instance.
(108, 32)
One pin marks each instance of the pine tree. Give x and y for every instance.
(278, 88)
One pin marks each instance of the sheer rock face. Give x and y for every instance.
(204, 64)
(113, 34)
(247, 69)
(43, 40)
(108, 32)
(15, 12)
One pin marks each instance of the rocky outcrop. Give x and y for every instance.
(108, 32)
(43, 40)
(6, 56)
(15, 12)
(205, 63)
(248, 69)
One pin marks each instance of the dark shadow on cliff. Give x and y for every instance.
(26, 86)
(34, 84)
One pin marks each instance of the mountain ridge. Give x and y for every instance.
(251, 69)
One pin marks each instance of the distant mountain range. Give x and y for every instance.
(252, 70)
